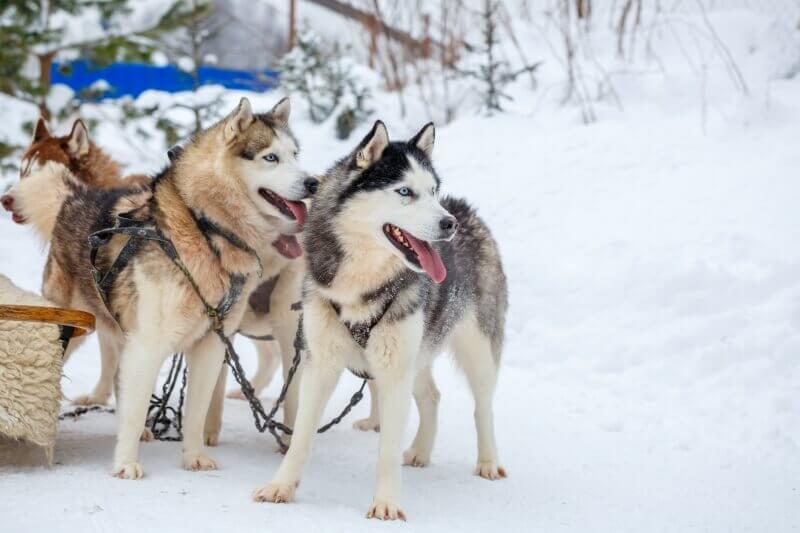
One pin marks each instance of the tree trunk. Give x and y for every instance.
(584, 8)
(292, 24)
(411, 44)
(45, 80)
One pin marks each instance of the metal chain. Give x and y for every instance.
(161, 417)
(167, 417)
(357, 397)
(266, 421)
(82, 410)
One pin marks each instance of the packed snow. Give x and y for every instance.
(652, 364)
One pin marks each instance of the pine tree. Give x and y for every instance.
(323, 76)
(33, 36)
(492, 72)
(188, 48)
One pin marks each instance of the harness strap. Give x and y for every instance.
(209, 227)
(123, 225)
(360, 331)
(139, 230)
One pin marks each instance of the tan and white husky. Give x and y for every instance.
(95, 168)
(239, 178)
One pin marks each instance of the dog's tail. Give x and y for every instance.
(37, 198)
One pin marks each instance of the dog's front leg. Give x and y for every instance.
(109, 359)
(319, 380)
(284, 320)
(373, 421)
(394, 402)
(204, 361)
(391, 354)
(139, 365)
(326, 338)
(268, 353)
(214, 416)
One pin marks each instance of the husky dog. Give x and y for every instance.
(395, 275)
(95, 168)
(87, 161)
(229, 203)
(90, 165)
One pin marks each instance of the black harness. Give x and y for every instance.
(140, 231)
(360, 331)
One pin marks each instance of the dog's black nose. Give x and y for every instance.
(174, 152)
(448, 225)
(311, 185)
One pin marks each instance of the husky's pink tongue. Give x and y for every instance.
(288, 246)
(429, 258)
(298, 209)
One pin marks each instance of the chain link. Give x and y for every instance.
(161, 416)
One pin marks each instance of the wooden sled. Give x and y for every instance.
(33, 342)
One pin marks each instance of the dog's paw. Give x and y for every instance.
(128, 471)
(490, 470)
(91, 399)
(412, 457)
(385, 511)
(367, 424)
(146, 435)
(211, 438)
(198, 462)
(275, 493)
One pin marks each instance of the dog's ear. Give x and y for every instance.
(424, 139)
(78, 141)
(239, 120)
(373, 145)
(281, 111)
(40, 131)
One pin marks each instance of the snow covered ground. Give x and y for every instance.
(652, 368)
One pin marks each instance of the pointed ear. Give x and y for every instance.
(78, 141)
(372, 146)
(424, 139)
(40, 131)
(281, 111)
(239, 120)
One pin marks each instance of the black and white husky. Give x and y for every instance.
(395, 276)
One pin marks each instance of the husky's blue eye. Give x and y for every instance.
(404, 191)
(272, 158)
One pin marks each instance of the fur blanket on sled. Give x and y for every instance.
(30, 373)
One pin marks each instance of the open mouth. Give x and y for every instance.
(8, 202)
(417, 252)
(289, 209)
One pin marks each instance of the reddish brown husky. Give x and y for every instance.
(92, 166)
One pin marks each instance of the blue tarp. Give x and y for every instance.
(133, 79)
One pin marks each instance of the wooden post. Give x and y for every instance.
(372, 27)
(45, 80)
(584, 8)
(292, 24)
(426, 36)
